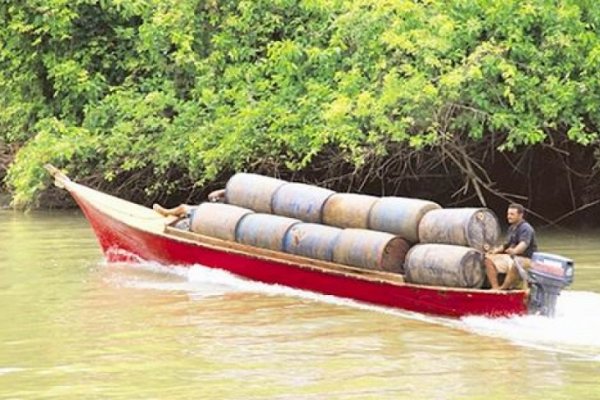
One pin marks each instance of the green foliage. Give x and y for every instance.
(54, 143)
(205, 86)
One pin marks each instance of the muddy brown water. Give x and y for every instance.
(74, 327)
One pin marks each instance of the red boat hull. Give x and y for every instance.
(114, 234)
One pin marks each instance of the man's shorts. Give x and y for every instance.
(504, 262)
(185, 223)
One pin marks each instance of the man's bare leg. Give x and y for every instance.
(512, 277)
(179, 211)
(492, 273)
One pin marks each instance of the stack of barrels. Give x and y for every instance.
(353, 229)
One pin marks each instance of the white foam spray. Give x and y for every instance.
(10, 370)
(574, 331)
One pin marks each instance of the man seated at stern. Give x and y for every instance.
(520, 243)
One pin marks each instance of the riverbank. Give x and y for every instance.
(583, 218)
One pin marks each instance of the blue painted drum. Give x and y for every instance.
(311, 240)
(400, 216)
(473, 227)
(444, 265)
(218, 220)
(370, 249)
(298, 200)
(252, 191)
(264, 230)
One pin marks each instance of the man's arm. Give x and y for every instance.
(498, 249)
(518, 249)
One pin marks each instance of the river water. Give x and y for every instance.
(74, 327)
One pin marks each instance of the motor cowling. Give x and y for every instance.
(548, 275)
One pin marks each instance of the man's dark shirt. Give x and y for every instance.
(522, 232)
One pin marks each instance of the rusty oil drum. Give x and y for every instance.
(302, 201)
(218, 220)
(473, 227)
(400, 216)
(252, 191)
(444, 265)
(311, 240)
(370, 249)
(264, 230)
(348, 210)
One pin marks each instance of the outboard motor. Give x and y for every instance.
(548, 275)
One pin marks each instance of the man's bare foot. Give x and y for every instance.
(180, 211)
(161, 210)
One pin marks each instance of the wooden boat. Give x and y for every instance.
(130, 232)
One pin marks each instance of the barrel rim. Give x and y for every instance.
(222, 205)
(227, 197)
(286, 232)
(487, 211)
(368, 214)
(246, 211)
(273, 197)
(382, 246)
(470, 254)
(333, 243)
(271, 205)
(406, 246)
(425, 212)
(414, 199)
(296, 221)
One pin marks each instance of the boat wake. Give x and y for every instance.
(573, 332)
(9, 370)
(201, 282)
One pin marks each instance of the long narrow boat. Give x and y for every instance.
(128, 232)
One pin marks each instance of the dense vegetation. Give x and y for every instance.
(463, 101)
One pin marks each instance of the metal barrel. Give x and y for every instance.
(264, 230)
(218, 220)
(298, 200)
(474, 227)
(348, 210)
(311, 240)
(252, 191)
(400, 216)
(444, 265)
(370, 249)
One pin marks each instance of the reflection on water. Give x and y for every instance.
(74, 327)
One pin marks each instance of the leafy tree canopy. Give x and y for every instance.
(179, 91)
